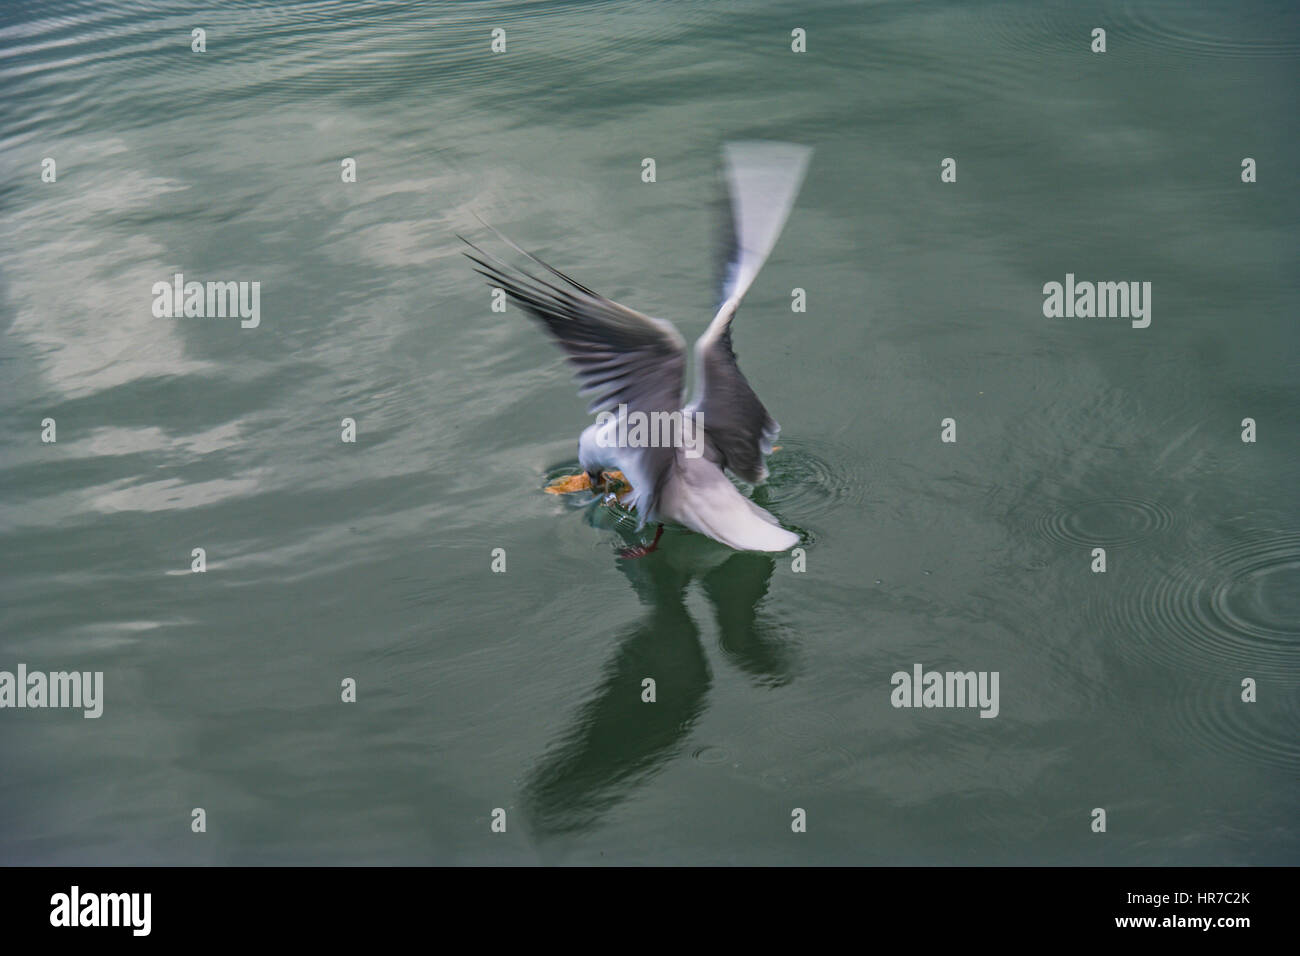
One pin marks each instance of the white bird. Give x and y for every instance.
(624, 358)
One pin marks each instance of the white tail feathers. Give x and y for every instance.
(725, 515)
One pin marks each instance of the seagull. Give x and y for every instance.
(630, 363)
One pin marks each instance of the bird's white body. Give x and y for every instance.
(699, 495)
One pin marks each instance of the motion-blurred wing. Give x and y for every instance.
(763, 180)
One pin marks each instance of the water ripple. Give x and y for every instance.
(1062, 28)
(809, 479)
(1109, 522)
(1236, 611)
(1266, 731)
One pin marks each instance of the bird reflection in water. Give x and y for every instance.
(617, 741)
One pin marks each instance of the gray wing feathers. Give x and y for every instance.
(620, 356)
(737, 428)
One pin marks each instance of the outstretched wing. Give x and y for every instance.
(763, 180)
(621, 356)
